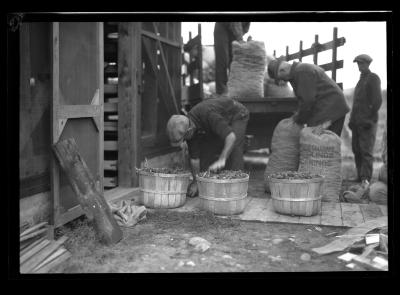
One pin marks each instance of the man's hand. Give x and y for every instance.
(217, 165)
(192, 190)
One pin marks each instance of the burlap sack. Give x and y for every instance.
(320, 153)
(246, 77)
(382, 176)
(284, 149)
(378, 193)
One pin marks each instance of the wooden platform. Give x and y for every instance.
(332, 214)
(261, 209)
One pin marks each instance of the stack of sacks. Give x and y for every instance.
(320, 154)
(273, 90)
(246, 77)
(284, 149)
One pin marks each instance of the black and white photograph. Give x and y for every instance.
(245, 142)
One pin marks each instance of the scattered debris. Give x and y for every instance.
(331, 234)
(291, 239)
(203, 258)
(317, 228)
(383, 240)
(181, 263)
(347, 256)
(277, 241)
(305, 257)
(190, 263)
(309, 229)
(162, 267)
(126, 213)
(200, 244)
(38, 253)
(372, 239)
(353, 235)
(227, 257)
(264, 252)
(275, 258)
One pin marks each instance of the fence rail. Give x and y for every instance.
(317, 48)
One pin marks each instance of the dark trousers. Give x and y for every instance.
(223, 57)
(211, 146)
(362, 142)
(337, 126)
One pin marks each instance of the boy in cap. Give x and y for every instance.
(214, 131)
(321, 101)
(364, 117)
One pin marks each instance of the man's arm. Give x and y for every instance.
(237, 30)
(375, 93)
(306, 93)
(226, 151)
(192, 189)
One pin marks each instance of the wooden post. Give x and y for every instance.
(84, 186)
(287, 52)
(334, 54)
(200, 63)
(129, 106)
(316, 50)
(301, 51)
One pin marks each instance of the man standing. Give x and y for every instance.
(364, 117)
(224, 34)
(321, 101)
(215, 131)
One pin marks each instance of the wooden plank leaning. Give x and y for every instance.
(83, 184)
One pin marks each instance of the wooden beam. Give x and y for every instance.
(334, 54)
(161, 39)
(319, 48)
(78, 111)
(83, 184)
(54, 170)
(111, 107)
(129, 106)
(315, 50)
(330, 66)
(70, 214)
(171, 88)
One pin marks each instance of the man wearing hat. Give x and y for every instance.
(321, 101)
(364, 117)
(224, 34)
(214, 131)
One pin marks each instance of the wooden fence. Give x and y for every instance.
(317, 48)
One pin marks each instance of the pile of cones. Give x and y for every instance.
(38, 253)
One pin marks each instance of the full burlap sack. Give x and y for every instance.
(246, 77)
(320, 153)
(378, 193)
(382, 176)
(284, 149)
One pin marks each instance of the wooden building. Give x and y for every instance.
(110, 86)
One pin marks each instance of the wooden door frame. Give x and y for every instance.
(61, 113)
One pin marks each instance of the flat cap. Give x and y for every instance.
(273, 67)
(363, 58)
(176, 129)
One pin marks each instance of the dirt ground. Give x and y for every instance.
(159, 244)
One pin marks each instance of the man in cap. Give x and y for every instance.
(224, 34)
(364, 117)
(321, 101)
(214, 131)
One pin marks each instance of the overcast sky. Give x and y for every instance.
(361, 37)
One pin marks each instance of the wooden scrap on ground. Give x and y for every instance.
(351, 236)
(42, 254)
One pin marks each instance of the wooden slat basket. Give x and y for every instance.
(301, 197)
(223, 196)
(161, 190)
